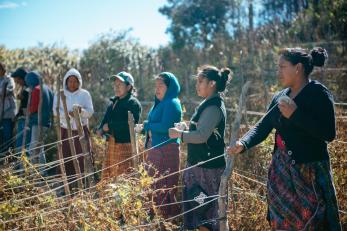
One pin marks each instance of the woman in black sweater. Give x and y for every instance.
(115, 126)
(301, 194)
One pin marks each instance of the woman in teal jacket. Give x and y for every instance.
(164, 159)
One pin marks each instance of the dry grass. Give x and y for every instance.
(126, 203)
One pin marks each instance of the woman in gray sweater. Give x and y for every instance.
(205, 139)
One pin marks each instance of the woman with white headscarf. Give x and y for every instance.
(75, 96)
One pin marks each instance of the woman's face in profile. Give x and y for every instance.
(203, 86)
(160, 89)
(286, 72)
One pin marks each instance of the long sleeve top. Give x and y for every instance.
(23, 96)
(7, 99)
(209, 119)
(206, 133)
(164, 114)
(307, 131)
(80, 97)
(116, 117)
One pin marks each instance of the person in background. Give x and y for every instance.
(7, 110)
(205, 140)
(75, 96)
(32, 79)
(115, 126)
(23, 96)
(164, 158)
(300, 190)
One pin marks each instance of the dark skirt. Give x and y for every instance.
(165, 160)
(69, 166)
(209, 180)
(301, 196)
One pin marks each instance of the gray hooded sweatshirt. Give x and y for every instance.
(7, 98)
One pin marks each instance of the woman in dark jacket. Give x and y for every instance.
(115, 126)
(19, 79)
(205, 140)
(301, 194)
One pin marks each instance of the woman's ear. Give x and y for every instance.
(299, 68)
(129, 87)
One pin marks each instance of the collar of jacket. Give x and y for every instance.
(116, 98)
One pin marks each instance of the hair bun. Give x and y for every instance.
(319, 56)
(226, 74)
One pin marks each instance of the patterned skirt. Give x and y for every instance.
(163, 161)
(300, 196)
(208, 180)
(114, 164)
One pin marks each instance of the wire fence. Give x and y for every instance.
(56, 179)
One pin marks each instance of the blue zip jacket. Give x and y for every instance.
(32, 79)
(165, 113)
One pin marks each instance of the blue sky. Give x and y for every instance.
(77, 23)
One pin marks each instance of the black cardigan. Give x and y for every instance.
(307, 131)
(116, 117)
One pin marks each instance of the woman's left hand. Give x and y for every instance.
(287, 108)
(138, 128)
(71, 114)
(174, 133)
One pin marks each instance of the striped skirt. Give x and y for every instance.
(115, 162)
(301, 196)
(162, 161)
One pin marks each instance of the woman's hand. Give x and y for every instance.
(138, 128)
(181, 126)
(105, 128)
(287, 108)
(71, 114)
(174, 133)
(79, 107)
(233, 150)
(99, 132)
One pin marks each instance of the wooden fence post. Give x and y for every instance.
(60, 150)
(71, 141)
(88, 166)
(223, 187)
(26, 125)
(133, 140)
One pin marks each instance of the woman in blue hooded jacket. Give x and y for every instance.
(32, 80)
(165, 158)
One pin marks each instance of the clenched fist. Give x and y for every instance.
(238, 148)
